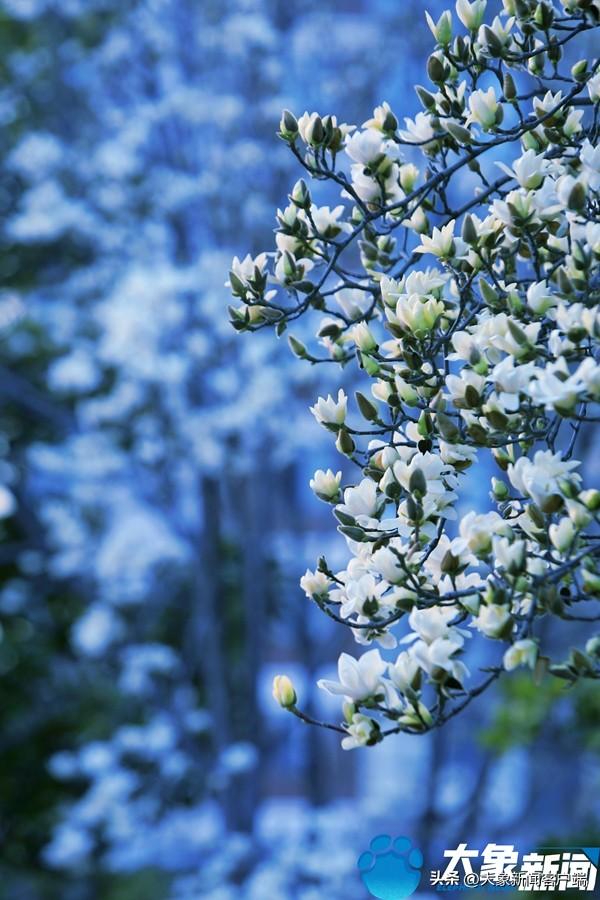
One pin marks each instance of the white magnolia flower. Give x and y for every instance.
(500, 30)
(529, 170)
(437, 659)
(509, 555)
(418, 130)
(471, 14)
(593, 87)
(521, 653)
(404, 672)
(244, 268)
(562, 534)
(588, 373)
(330, 411)
(443, 549)
(386, 562)
(381, 116)
(362, 501)
(510, 380)
(353, 302)
(539, 298)
(365, 146)
(356, 593)
(590, 159)
(289, 268)
(425, 282)
(458, 384)
(416, 314)
(565, 186)
(485, 109)
(432, 467)
(326, 485)
(434, 622)
(553, 388)
(326, 221)
(363, 337)
(361, 731)
(442, 242)
(360, 678)
(315, 583)
(493, 620)
(369, 188)
(476, 531)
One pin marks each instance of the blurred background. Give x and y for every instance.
(154, 471)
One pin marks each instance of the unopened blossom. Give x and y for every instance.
(442, 29)
(359, 679)
(330, 411)
(521, 653)
(283, 691)
(363, 337)
(326, 485)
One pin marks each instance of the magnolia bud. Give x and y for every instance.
(315, 132)
(417, 484)
(297, 347)
(593, 646)
(591, 498)
(283, 691)
(499, 489)
(562, 535)
(579, 70)
(344, 443)
(509, 87)
(288, 127)
(300, 195)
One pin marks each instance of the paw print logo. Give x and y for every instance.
(391, 870)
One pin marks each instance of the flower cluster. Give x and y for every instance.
(476, 326)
